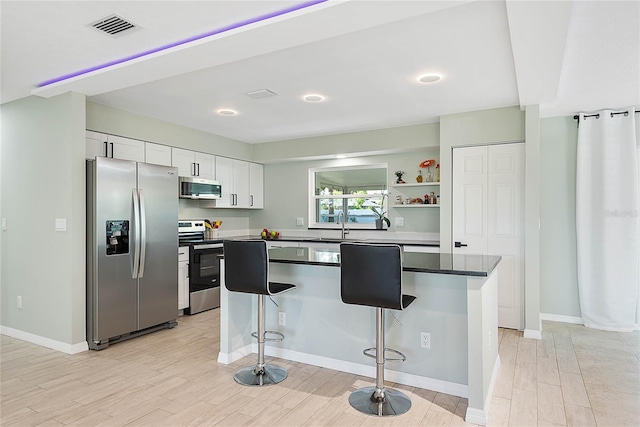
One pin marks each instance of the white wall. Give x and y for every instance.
(558, 251)
(43, 179)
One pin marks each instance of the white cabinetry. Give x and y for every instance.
(183, 277)
(256, 186)
(242, 184)
(233, 175)
(192, 163)
(157, 154)
(116, 147)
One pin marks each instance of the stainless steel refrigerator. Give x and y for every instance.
(132, 246)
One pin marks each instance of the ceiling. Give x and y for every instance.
(363, 56)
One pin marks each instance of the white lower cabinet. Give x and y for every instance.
(422, 249)
(183, 277)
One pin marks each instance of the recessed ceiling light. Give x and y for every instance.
(429, 78)
(341, 156)
(226, 112)
(313, 97)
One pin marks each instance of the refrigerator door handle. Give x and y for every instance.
(143, 234)
(136, 243)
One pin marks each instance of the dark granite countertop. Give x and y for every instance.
(443, 263)
(328, 240)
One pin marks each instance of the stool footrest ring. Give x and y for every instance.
(279, 336)
(371, 352)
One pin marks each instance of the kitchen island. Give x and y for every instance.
(456, 304)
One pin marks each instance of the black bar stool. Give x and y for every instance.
(247, 270)
(371, 275)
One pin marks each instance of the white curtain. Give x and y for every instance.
(607, 220)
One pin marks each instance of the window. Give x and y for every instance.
(356, 191)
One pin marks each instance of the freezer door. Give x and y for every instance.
(112, 291)
(158, 283)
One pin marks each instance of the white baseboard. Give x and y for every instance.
(532, 334)
(476, 416)
(460, 390)
(455, 389)
(44, 342)
(227, 358)
(561, 318)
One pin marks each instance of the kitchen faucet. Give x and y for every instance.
(344, 232)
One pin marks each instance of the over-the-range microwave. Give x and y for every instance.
(199, 188)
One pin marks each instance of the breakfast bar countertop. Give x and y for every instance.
(442, 263)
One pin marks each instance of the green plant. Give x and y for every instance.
(379, 210)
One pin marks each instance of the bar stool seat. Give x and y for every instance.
(371, 275)
(247, 270)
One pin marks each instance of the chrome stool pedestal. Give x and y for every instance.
(261, 374)
(379, 400)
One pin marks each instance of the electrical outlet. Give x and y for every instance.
(425, 340)
(299, 221)
(4, 224)
(399, 222)
(282, 318)
(19, 302)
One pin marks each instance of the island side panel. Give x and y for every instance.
(238, 316)
(482, 303)
(322, 330)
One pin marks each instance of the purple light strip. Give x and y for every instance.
(185, 41)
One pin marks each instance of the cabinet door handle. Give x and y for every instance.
(198, 168)
(251, 200)
(187, 270)
(235, 198)
(111, 150)
(460, 245)
(193, 169)
(106, 149)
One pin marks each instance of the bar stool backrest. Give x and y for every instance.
(246, 266)
(371, 275)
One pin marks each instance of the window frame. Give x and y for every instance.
(312, 219)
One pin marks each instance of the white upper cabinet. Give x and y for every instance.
(224, 175)
(157, 154)
(256, 186)
(125, 148)
(192, 163)
(241, 184)
(96, 145)
(116, 147)
(205, 165)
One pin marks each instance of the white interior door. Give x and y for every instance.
(488, 216)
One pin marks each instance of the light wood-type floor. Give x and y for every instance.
(574, 376)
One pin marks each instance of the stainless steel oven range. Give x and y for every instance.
(204, 266)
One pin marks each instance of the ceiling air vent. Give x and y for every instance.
(262, 93)
(113, 25)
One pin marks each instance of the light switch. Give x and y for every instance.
(299, 221)
(61, 224)
(4, 224)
